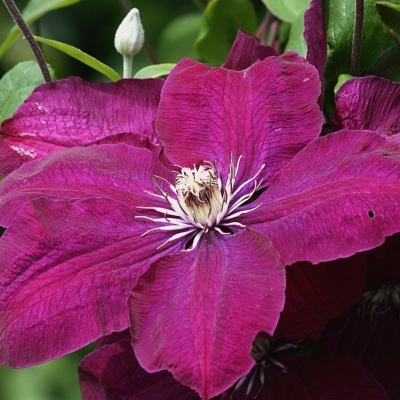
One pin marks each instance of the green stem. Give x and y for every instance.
(127, 68)
(37, 52)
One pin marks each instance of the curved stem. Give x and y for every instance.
(357, 36)
(37, 52)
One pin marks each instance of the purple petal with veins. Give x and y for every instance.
(369, 103)
(72, 112)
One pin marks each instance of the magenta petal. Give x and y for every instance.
(266, 113)
(16, 151)
(67, 268)
(315, 37)
(245, 51)
(369, 103)
(73, 112)
(196, 314)
(338, 196)
(116, 171)
(112, 372)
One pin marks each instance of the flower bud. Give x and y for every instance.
(129, 37)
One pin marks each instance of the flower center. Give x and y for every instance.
(199, 194)
(199, 202)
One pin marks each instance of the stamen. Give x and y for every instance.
(248, 181)
(165, 228)
(174, 221)
(230, 216)
(160, 210)
(195, 241)
(245, 198)
(262, 353)
(175, 237)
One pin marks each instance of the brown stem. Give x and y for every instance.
(357, 36)
(37, 52)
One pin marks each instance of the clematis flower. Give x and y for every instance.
(198, 237)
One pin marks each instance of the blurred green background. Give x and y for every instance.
(54, 380)
(171, 27)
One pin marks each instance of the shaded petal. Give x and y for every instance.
(369, 103)
(315, 37)
(266, 113)
(374, 343)
(315, 294)
(117, 171)
(383, 264)
(318, 378)
(112, 372)
(245, 51)
(67, 268)
(112, 338)
(72, 112)
(196, 314)
(339, 196)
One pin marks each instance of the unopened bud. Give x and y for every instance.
(129, 37)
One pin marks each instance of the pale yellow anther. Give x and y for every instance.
(199, 194)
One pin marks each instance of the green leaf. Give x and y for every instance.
(34, 10)
(292, 12)
(287, 10)
(221, 21)
(339, 25)
(342, 79)
(17, 84)
(340, 30)
(296, 40)
(390, 14)
(387, 65)
(82, 57)
(177, 38)
(154, 71)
